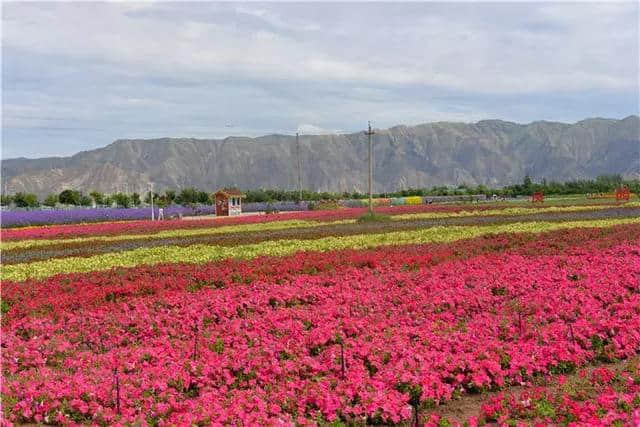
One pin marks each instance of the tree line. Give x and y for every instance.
(191, 196)
(187, 196)
(602, 184)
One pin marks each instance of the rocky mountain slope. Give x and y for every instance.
(490, 152)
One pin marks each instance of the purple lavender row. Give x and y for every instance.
(44, 217)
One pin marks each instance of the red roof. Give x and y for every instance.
(231, 192)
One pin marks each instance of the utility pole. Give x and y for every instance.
(369, 133)
(299, 175)
(151, 196)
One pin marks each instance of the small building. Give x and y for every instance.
(229, 201)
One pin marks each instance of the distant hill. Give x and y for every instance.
(490, 152)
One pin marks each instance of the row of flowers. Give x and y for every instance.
(34, 296)
(294, 223)
(72, 216)
(378, 344)
(206, 253)
(142, 227)
(280, 230)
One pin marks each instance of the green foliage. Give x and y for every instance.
(602, 184)
(204, 197)
(265, 196)
(5, 199)
(122, 200)
(161, 201)
(170, 195)
(413, 390)
(5, 306)
(25, 200)
(74, 197)
(189, 196)
(50, 200)
(544, 409)
(85, 200)
(326, 200)
(373, 217)
(70, 197)
(147, 197)
(218, 346)
(98, 198)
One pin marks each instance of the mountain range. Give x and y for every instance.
(489, 152)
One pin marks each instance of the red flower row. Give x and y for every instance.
(354, 343)
(89, 289)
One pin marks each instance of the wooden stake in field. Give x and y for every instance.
(342, 362)
(116, 379)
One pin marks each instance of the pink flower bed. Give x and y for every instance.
(370, 343)
(606, 396)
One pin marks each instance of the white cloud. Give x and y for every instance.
(189, 68)
(308, 129)
(451, 47)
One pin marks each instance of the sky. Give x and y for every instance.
(79, 75)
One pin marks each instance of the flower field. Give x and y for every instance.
(311, 318)
(69, 216)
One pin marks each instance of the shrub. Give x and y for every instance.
(51, 200)
(25, 200)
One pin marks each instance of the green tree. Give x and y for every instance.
(51, 200)
(170, 195)
(85, 200)
(122, 200)
(147, 197)
(135, 199)
(98, 198)
(203, 197)
(161, 201)
(69, 197)
(5, 199)
(25, 200)
(187, 196)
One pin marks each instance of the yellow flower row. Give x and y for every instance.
(282, 225)
(206, 253)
